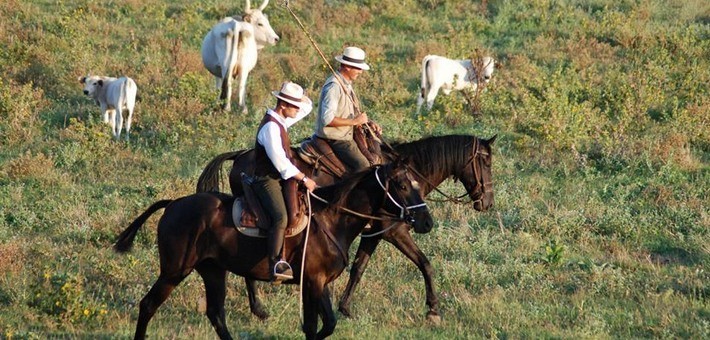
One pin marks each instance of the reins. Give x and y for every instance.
(303, 258)
(403, 209)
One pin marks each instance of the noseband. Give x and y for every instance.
(403, 210)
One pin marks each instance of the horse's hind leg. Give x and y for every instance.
(254, 302)
(215, 287)
(156, 296)
(364, 251)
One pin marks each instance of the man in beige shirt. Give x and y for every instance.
(339, 110)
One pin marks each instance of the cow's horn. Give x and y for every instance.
(263, 5)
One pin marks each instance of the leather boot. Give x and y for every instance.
(280, 269)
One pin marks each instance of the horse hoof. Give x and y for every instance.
(261, 314)
(433, 318)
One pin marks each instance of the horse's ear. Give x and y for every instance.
(492, 139)
(388, 152)
(402, 162)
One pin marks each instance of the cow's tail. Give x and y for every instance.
(211, 175)
(227, 74)
(123, 99)
(124, 242)
(425, 79)
(244, 36)
(124, 84)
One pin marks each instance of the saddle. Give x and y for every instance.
(317, 152)
(250, 218)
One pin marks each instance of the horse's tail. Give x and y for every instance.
(125, 239)
(211, 175)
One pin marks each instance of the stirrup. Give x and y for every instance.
(286, 274)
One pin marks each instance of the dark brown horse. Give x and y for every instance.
(461, 157)
(196, 232)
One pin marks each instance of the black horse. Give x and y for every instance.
(461, 157)
(197, 232)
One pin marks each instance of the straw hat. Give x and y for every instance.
(292, 93)
(354, 57)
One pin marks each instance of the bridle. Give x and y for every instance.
(480, 180)
(403, 210)
(406, 211)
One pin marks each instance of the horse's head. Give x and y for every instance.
(403, 196)
(477, 176)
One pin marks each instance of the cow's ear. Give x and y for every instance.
(248, 18)
(101, 83)
(82, 80)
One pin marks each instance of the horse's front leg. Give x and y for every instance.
(325, 309)
(254, 302)
(310, 313)
(316, 302)
(402, 239)
(364, 251)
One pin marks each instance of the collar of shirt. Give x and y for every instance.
(278, 117)
(347, 83)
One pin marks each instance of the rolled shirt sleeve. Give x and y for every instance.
(329, 103)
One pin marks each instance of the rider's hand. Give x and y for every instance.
(376, 127)
(360, 119)
(310, 185)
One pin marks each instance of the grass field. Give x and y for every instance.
(601, 227)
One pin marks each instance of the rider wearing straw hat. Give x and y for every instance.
(339, 109)
(275, 170)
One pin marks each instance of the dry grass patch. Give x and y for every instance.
(12, 257)
(37, 166)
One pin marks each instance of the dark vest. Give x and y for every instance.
(262, 164)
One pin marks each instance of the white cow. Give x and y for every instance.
(113, 96)
(448, 75)
(229, 50)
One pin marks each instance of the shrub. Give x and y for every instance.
(18, 107)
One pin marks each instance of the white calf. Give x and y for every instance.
(113, 96)
(448, 75)
(230, 50)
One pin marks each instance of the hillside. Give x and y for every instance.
(601, 224)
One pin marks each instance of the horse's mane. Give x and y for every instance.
(437, 154)
(336, 193)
